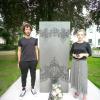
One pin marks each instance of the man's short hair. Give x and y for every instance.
(26, 25)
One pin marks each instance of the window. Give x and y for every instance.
(98, 41)
(90, 41)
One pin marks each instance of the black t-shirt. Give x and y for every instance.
(78, 48)
(28, 52)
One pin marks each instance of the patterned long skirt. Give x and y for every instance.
(79, 75)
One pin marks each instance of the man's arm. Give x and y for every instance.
(19, 54)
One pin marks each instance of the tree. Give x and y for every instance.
(14, 12)
(94, 12)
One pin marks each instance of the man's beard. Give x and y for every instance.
(28, 34)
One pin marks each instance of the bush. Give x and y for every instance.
(97, 48)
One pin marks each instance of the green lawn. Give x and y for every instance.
(8, 70)
(94, 70)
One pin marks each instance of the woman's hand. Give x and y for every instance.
(81, 55)
(75, 55)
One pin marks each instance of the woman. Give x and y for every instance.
(80, 50)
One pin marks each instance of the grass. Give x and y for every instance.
(94, 70)
(9, 71)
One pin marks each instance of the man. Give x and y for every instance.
(27, 57)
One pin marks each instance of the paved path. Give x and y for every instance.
(10, 52)
(13, 92)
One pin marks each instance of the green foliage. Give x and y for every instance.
(14, 12)
(6, 36)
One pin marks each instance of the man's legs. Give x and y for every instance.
(32, 67)
(24, 70)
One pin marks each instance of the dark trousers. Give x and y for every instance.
(24, 66)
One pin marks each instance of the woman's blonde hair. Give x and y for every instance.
(81, 30)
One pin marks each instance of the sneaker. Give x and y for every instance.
(22, 93)
(33, 91)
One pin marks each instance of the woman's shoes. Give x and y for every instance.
(84, 97)
(76, 95)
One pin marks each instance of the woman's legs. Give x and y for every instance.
(84, 97)
(79, 77)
